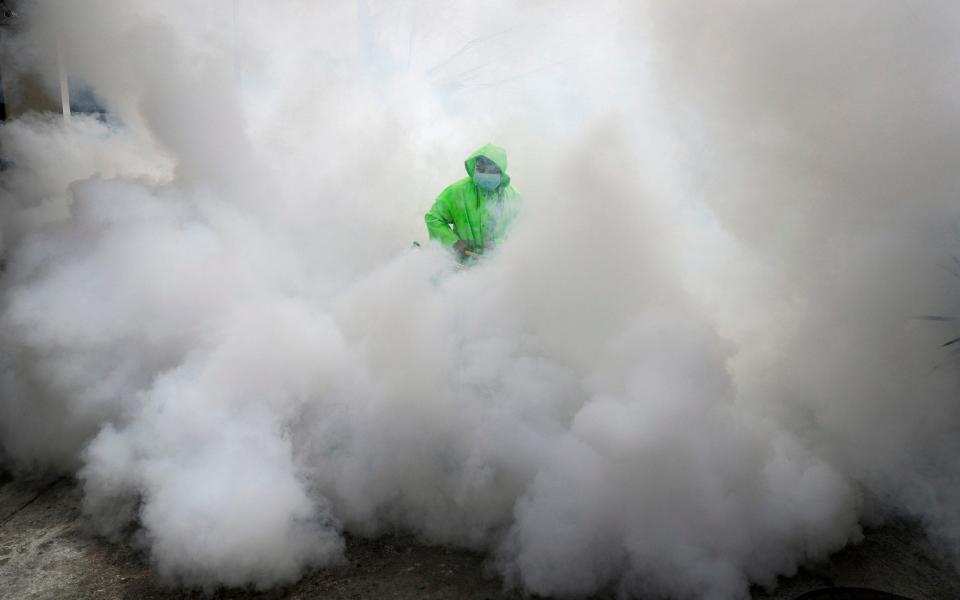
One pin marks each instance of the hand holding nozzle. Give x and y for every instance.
(460, 247)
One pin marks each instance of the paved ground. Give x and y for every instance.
(46, 553)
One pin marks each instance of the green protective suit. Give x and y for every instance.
(465, 212)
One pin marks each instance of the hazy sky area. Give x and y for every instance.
(695, 365)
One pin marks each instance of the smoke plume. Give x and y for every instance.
(694, 366)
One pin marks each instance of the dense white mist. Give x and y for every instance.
(693, 367)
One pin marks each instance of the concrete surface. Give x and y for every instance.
(46, 552)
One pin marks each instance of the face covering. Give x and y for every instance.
(487, 181)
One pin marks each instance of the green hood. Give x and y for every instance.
(495, 153)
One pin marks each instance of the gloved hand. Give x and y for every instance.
(460, 247)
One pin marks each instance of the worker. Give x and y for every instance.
(474, 214)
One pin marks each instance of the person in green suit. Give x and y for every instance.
(473, 215)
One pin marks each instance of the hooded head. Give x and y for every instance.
(496, 155)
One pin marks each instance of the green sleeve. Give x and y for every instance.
(438, 222)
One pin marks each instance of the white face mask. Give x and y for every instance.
(487, 181)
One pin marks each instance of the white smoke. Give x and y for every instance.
(693, 367)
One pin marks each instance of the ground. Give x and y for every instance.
(46, 552)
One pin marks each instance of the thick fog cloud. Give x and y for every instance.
(831, 137)
(694, 366)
